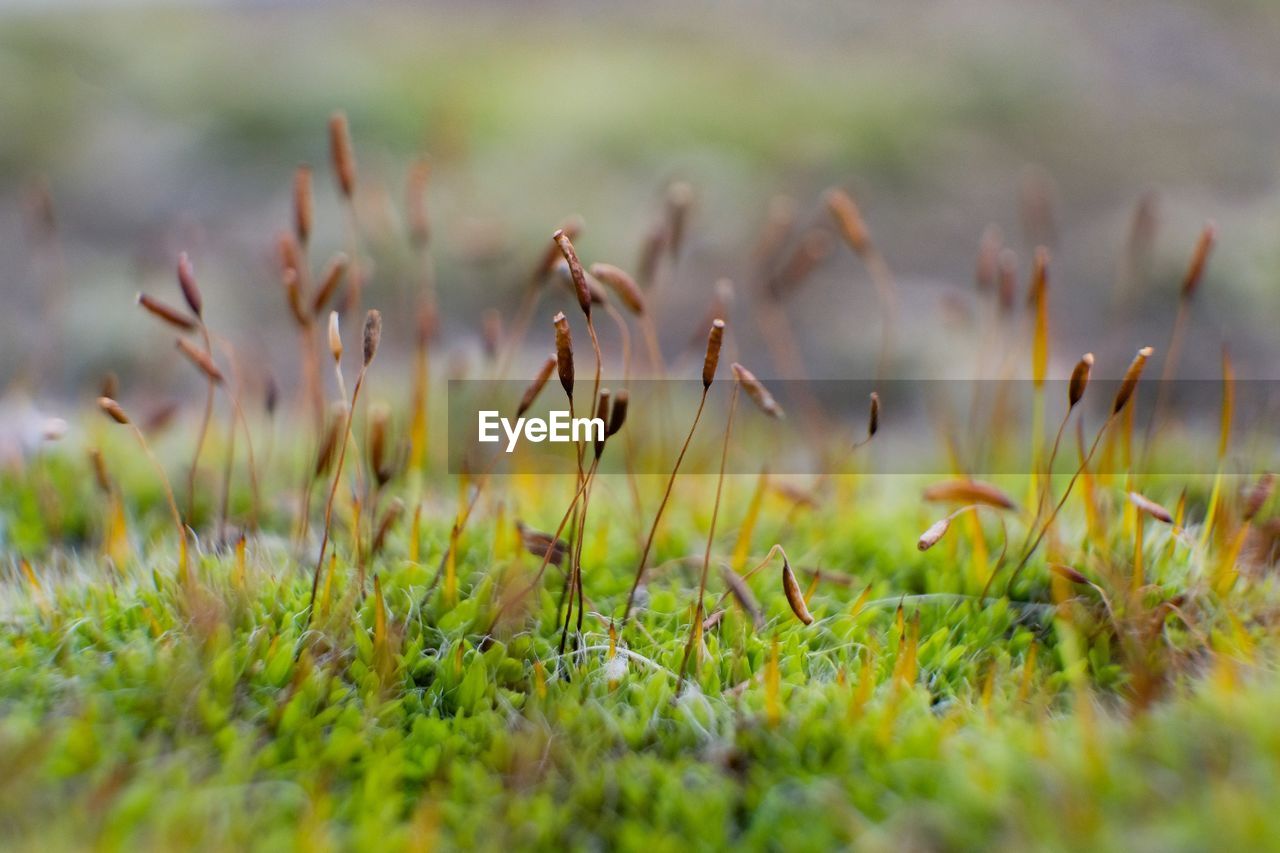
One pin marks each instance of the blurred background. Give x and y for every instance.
(1110, 132)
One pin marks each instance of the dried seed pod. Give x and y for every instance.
(1040, 305)
(714, 341)
(1258, 495)
(618, 416)
(293, 296)
(599, 295)
(160, 416)
(602, 415)
(1068, 573)
(379, 458)
(987, 268)
(100, 475)
(341, 154)
(329, 282)
(1130, 381)
(1079, 379)
(780, 220)
(1007, 278)
(187, 282)
(389, 518)
(335, 338)
(679, 203)
(969, 492)
(757, 392)
(289, 253)
(935, 532)
(795, 598)
(271, 395)
(201, 359)
(535, 387)
(873, 416)
(538, 544)
(113, 410)
(166, 312)
(1151, 508)
(575, 269)
(621, 284)
(811, 250)
(110, 386)
(303, 204)
(571, 227)
(794, 494)
(328, 448)
(372, 334)
(655, 243)
(564, 353)
(416, 203)
(1195, 270)
(848, 220)
(742, 594)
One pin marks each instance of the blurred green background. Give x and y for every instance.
(159, 128)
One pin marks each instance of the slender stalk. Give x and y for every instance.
(715, 513)
(169, 498)
(629, 448)
(662, 506)
(333, 491)
(1026, 556)
(227, 466)
(574, 578)
(546, 557)
(238, 416)
(1167, 373)
(114, 411)
(204, 424)
(650, 334)
(1045, 492)
(520, 328)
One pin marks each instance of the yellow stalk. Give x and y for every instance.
(539, 679)
(328, 584)
(1224, 440)
(866, 684)
(1139, 575)
(988, 688)
(237, 576)
(1028, 673)
(860, 602)
(1224, 573)
(117, 538)
(37, 592)
(743, 546)
(415, 533)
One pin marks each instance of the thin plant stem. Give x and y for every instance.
(169, 498)
(1084, 463)
(204, 425)
(662, 506)
(333, 491)
(546, 558)
(711, 533)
